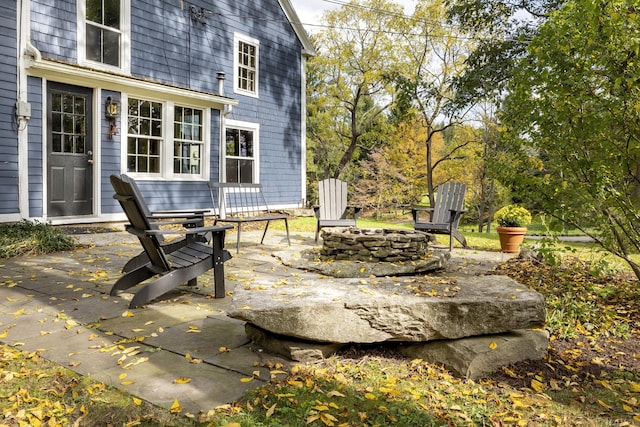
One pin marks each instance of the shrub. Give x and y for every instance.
(28, 237)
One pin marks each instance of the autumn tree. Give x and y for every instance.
(393, 175)
(433, 55)
(356, 52)
(573, 116)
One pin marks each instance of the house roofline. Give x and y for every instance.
(69, 73)
(307, 46)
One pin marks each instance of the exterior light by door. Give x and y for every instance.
(111, 112)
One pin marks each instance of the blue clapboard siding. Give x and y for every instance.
(168, 46)
(8, 89)
(191, 53)
(163, 195)
(54, 29)
(36, 146)
(110, 159)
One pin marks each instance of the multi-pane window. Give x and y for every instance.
(103, 31)
(246, 65)
(188, 141)
(144, 139)
(68, 132)
(165, 139)
(239, 155)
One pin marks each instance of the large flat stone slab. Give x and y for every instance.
(415, 309)
(478, 356)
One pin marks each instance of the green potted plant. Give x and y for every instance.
(512, 226)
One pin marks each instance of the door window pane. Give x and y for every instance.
(68, 123)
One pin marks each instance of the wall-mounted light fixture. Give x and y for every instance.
(198, 14)
(111, 112)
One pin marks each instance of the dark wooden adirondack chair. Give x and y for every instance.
(445, 215)
(172, 269)
(187, 218)
(333, 210)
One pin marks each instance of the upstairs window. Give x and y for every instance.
(104, 34)
(103, 31)
(246, 65)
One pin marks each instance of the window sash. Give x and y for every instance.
(158, 144)
(103, 38)
(246, 65)
(188, 143)
(240, 154)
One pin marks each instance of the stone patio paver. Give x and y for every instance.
(59, 304)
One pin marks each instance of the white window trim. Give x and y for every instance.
(125, 39)
(166, 148)
(237, 38)
(237, 124)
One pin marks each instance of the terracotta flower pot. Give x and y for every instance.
(511, 238)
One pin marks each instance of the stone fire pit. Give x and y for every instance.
(364, 252)
(374, 244)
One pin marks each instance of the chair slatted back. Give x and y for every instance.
(137, 193)
(332, 194)
(450, 196)
(139, 222)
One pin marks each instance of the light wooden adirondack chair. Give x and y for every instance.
(445, 215)
(333, 210)
(174, 268)
(187, 218)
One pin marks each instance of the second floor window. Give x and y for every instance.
(103, 32)
(246, 65)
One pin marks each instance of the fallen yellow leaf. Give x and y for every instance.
(271, 410)
(537, 385)
(175, 407)
(182, 380)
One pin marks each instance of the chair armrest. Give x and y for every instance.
(316, 211)
(189, 213)
(187, 231)
(187, 222)
(415, 213)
